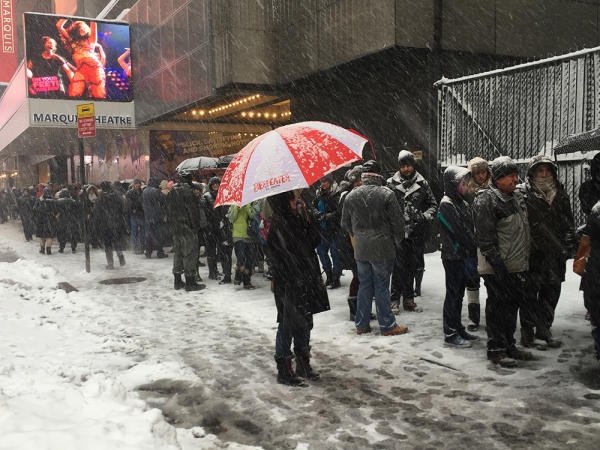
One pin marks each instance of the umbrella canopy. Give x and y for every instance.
(580, 142)
(290, 157)
(198, 163)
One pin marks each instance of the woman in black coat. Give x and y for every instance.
(69, 216)
(297, 284)
(26, 203)
(44, 212)
(590, 281)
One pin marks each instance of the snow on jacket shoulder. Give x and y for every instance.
(502, 231)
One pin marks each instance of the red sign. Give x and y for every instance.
(8, 50)
(86, 127)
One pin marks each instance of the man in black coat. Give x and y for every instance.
(218, 236)
(109, 219)
(154, 216)
(589, 192)
(135, 209)
(325, 206)
(26, 202)
(419, 207)
(185, 218)
(552, 239)
(69, 216)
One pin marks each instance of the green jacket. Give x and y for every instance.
(240, 217)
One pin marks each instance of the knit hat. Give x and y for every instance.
(371, 166)
(406, 158)
(105, 186)
(137, 181)
(503, 166)
(328, 178)
(477, 164)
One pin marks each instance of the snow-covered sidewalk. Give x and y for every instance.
(140, 366)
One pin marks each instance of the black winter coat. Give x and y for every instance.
(26, 203)
(330, 223)
(590, 281)
(135, 203)
(69, 219)
(457, 232)
(292, 241)
(184, 213)
(218, 226)
(154, 202)
(417, 203)
(45, 217)
(552, 229)
(109, 213)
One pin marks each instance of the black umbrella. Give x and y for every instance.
(199, 163)
(581, 142)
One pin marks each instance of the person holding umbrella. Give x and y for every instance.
(297, 285)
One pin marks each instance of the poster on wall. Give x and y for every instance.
(169, 148)
(8, 51)
(77, 58)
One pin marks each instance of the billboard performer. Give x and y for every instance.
(125, 62)
(49, 74)
(89, 58)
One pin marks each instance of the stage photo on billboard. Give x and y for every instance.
(76, 58)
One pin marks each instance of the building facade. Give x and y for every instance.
(214, 73)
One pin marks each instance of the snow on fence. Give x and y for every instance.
(523, 111)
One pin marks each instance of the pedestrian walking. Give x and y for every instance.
(26, 203)
(108, 218)
(154, 217)
(135, 210)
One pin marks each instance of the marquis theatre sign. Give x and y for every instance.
(8, 51)
(62, 114)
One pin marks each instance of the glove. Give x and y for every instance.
(321, 217)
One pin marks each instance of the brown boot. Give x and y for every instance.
(396, 331)
(501, 359)
(303, 367)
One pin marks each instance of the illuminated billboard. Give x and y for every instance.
(77, 59)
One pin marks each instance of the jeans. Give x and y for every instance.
(245, 260)
(138, 232)
(455, 290)
(374, 277)
(329, 244)
(284, 337)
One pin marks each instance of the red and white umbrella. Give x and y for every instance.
(290, 157)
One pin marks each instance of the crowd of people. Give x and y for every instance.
(517, 237)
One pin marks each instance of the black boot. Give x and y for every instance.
(474, 316)
(335, 281)
(285, 371)
(329, 275)
(527, 338)
(42, 250)
(48, 250)
(61, 249)
(352, 306)
(303, 368)
(213, 273)
(121, 258)
(418, 281)
(179, 283)
(191, 285)
(237, 278)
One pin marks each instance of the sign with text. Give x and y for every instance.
(86, 120)
(62, 114)
(8, 51)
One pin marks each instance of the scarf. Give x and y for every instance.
(546, 186)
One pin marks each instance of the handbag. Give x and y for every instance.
(583, 251)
